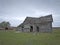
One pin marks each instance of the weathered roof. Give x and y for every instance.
(38, 20)
(20, 25)
(42, 19)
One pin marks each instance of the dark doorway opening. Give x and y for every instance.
(6, 28)
(31, 28)
(22, 28)
(37, 29)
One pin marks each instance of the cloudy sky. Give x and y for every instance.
(15, 11)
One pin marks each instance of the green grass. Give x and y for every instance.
(12, 38)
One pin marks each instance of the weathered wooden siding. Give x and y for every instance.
(42, 24)
(45, 27)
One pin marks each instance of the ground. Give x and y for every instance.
(13, 38)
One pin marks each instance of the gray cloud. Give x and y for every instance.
(17, 10)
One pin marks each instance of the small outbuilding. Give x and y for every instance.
(34, 24)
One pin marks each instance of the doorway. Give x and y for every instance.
(37, 29)
(31, 28)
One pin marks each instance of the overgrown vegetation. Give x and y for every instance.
(13, 38)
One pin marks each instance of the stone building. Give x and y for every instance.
(34, 24)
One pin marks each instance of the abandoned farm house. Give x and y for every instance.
(33, 24)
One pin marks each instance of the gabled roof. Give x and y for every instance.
(47, 18)
(38, 20)
(20, 25)
(42, 19)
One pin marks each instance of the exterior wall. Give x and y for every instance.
(19, 29)
(46, 27)
(26, 28)
(34, 28)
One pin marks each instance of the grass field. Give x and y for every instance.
(13, 38)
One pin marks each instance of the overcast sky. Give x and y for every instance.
(15, 11)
